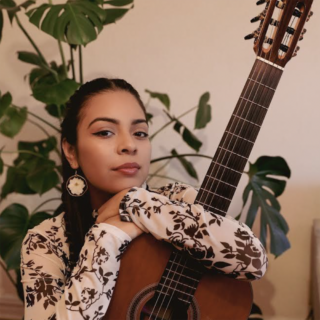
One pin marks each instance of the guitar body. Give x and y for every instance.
(142, 266)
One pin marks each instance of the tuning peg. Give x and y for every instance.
(280, 4)
(301, 37)
(310, 15)
(296, 51)
(262, 2)
(303, 31)
(254, 34)
(261, 16)
(274, 22)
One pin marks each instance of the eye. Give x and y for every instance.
(103, 133)
(141, 134)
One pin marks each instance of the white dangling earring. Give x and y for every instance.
(77, 185)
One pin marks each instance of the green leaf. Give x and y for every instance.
(15, 182)
(162, 97)
(114, 15)
(149, 117)
(52, 109)
(58, 93)
(203, 116)
(76, 22)
(5, 102)
(186, 164)
(44, 177)
(188, 137)
(12, 121)
(14, 224)
(13, 10)
(7, 4)
(30, 57)
(42, 147)
(264, 190)
(118, 3)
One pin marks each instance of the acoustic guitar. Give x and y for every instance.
(157, 282)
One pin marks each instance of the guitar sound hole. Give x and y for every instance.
(145, 306)
(164, 310)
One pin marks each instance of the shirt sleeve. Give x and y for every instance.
(218, 242)
(88, 289)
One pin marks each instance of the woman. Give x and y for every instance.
(69, 263)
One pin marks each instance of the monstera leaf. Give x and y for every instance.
(186, 164)
(264, 189)
(76, 22)
(12, 119)
(14, 224)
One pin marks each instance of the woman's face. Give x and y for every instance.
(113, 132)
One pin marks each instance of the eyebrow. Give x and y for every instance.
(115, 121)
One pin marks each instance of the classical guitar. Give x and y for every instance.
(157, 282)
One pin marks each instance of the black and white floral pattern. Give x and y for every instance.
(54, 291)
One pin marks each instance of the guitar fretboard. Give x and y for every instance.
(224, 173)
(229, 161)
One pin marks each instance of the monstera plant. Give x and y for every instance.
(33, 172)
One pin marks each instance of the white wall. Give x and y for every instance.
(185, 48)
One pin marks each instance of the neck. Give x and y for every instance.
(98, 197)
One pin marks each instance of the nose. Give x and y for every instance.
(127, 144)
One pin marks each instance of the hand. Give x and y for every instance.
(109, 213)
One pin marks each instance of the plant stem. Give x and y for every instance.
(7, 272)
(40, 127)
(46, 65)
(63, 58)
(26, 151)
(43, 203)
(80, 65)
(173, 120)
(72, 63)
(181, 155)
(158, 170)
(41, 119)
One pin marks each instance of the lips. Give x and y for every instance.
(129, 165)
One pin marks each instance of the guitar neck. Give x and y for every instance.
(228, 163)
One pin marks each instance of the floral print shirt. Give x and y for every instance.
(54, 291)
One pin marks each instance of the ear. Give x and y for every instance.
(70, 153)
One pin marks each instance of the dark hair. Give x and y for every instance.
(78, 210)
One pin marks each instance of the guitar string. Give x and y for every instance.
(263, 66)
(175, 286)
(163, 285)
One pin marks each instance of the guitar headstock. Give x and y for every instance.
(281, 27)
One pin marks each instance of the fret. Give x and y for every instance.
(237, 146)
(239, 155)
(230, 160)
(261, 84)
(239, 136)
(266, 74)
(251, 112)
(184, 267)
(212, 207)
(257, 94)
(216, 194)
(228, 184)
(243, 128)
(257, 104)
(221, 165)
(183, 275)
(234, 115)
